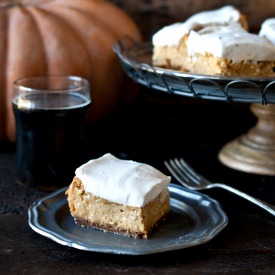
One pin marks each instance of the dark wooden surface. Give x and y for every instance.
(155, 127)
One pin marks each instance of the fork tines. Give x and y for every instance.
(183, 172)
(175, 168)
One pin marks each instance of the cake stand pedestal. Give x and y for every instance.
(254, 152)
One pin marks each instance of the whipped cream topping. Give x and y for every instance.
(122, 181)
(268, 29)
(171, 35)
(230, 42)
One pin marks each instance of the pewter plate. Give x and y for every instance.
(195, 218)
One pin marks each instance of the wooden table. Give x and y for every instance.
(151, 130)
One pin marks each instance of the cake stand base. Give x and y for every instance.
(254, 152)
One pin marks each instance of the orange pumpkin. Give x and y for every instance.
(62, 37)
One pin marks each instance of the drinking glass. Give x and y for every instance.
(50, 114)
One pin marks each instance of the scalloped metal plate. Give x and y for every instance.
(195, 218)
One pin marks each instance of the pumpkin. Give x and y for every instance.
(63, 37)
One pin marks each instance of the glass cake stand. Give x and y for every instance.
(253, 152)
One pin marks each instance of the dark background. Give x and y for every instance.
(155, 127)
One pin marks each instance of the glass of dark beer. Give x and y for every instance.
(50, 114)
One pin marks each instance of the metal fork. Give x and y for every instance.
(189, 178)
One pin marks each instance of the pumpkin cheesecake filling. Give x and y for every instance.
(119, 196)
(216, 42)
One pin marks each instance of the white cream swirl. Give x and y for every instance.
(171, 35)
(122, 181)
(268, 29)
(230, 42)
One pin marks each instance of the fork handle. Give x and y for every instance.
(266, 206)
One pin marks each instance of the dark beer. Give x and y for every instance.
(49, 133)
